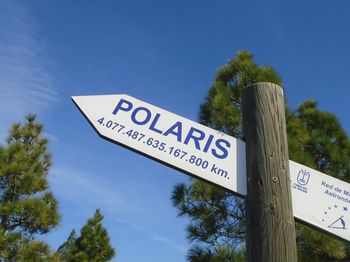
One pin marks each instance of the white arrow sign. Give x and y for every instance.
(168, 138)
(319, 200)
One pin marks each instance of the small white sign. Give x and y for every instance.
(168, 138)
(320, 200)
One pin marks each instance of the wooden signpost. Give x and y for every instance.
(270, 225)
(276, 189)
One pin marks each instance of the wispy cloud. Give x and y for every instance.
(79, 188)
(25, 83)
(170, 242)
(154, 235)
(87, 192)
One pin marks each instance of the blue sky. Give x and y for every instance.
(165, 53)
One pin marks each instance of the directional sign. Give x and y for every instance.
(168, 138)
(319, 200)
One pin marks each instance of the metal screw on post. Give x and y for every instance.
(270, 223)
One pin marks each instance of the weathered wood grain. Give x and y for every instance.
(270, 222)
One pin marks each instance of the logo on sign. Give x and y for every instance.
(303, 177)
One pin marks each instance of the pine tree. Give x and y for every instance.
(220, 254)
(69, 249)
(27, 207)
(92, 244)
(217, 217)
(315, 139)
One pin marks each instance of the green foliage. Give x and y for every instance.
(317, 247)
(315, 138)
(220, 254)
(216, 215)
(15, 247)
(27, 208)
(199, 254)
(92, 244)
(69, 248)
(222, 107)
(33, 251)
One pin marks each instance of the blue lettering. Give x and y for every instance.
(143, 122)
(120, 106)
(207, 145)
(196, 139)
(178, 133)
(153, 124)
(143, 116)
(223, 150)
